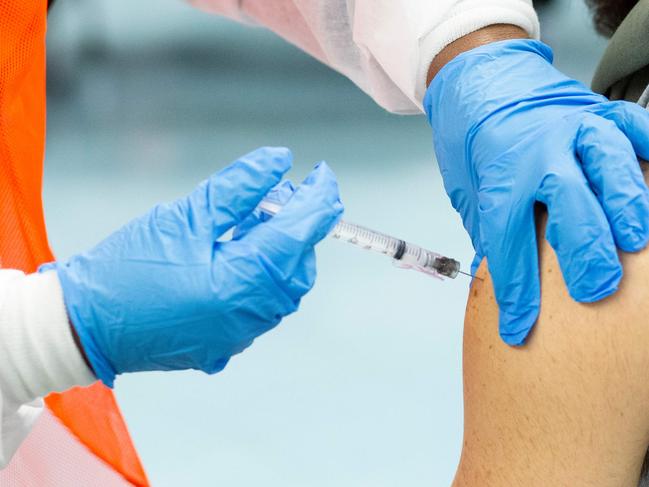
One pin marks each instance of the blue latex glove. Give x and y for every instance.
(511, 130)
(162, 293)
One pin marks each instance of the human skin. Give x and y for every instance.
(571, 406)
(487, 35)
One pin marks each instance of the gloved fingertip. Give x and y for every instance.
(515, 328)
(281, 157)
(631, 230)
(593, 297)
(322, 182)
(634, 240)
(590, 290)
(216, 366)
(232, 194)
(515, 339)
(321, 172)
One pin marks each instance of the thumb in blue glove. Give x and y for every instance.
(162, 293)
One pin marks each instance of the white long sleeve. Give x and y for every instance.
(384, 46)
(37, 353)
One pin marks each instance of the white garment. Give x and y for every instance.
(38, 354)
(384, 46)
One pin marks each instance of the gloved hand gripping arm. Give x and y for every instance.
(163, 293)
(510, 131)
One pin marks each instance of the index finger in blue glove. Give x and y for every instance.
(611, 167)
(287, 241)
(313, 210)
(581, 237)
(229, 196)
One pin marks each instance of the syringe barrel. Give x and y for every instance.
(365, 238)
(404, 253)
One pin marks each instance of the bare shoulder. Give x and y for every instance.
(572, 406)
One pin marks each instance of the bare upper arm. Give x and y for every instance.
(572, 406)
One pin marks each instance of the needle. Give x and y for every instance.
(471, 275)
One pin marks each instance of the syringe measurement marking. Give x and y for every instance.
(406, 254)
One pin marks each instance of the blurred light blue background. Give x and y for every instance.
(363, 386)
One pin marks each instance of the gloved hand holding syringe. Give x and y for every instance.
(404, 254)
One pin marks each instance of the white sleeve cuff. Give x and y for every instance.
(469, 16)
(38, 354)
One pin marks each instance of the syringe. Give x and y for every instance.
(404, 254)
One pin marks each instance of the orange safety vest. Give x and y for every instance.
(89, 416)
